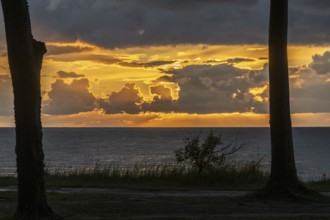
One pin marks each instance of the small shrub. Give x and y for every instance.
(209, 154)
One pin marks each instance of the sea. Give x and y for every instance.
(76, 148)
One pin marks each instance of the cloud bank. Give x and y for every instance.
(126, 23)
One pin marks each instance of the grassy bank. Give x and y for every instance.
(230, 176)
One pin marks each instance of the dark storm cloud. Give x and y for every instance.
(309, 22)
(87, 57)
(54, 50)
(217, 89)
(194, 4)
(311, 99)
(239, 60)
(313, 95)
(66, 99)
(124, 23)
(203, 89)
(146, 65)
(310, 86)
(322, 5)
(127, 100)
(63, 75)
(162, 101)
(321, 63)
(225, 88)
(231, 60)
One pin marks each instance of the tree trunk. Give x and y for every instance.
(283, 170)
(25, 59)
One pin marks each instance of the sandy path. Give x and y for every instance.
(105, 204)
(146, 193)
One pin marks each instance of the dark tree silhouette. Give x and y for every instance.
(25, 56)
(283, 176)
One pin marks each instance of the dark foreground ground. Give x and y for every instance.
(89, 203)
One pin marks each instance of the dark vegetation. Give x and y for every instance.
(245, 176)
(229, 176)
(211, 154)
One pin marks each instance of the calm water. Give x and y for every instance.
(84, 147)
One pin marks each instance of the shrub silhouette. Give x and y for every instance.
(209, 154)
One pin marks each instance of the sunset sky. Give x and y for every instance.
(164, 63)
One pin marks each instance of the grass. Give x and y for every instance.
(320, 185)
(233, 176)
(230, 176)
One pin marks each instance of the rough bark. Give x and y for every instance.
(25, 56)
(283, 176)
